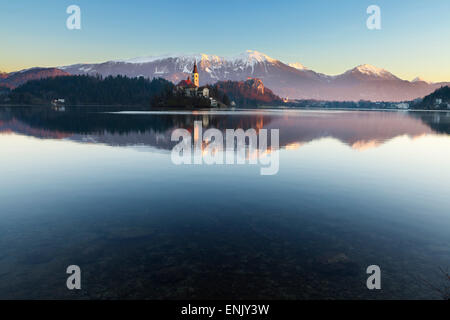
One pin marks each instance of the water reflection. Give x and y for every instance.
(359, 130)
(354, 189)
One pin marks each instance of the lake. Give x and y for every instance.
(96, 187)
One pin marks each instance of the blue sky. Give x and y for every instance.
(326, 36)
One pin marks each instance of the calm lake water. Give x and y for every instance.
(98, 189)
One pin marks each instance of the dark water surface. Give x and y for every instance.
(99, 190)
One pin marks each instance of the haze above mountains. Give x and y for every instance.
(364, 82)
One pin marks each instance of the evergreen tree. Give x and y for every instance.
(92, 90)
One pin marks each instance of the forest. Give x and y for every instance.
(89, 90)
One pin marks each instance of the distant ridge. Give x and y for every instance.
(297, 65)
(364, 82)
(15, 79)
(419, 79)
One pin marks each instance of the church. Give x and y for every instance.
(191, 86)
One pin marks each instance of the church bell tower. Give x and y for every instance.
(195, 78)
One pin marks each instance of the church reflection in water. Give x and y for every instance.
(359, 130)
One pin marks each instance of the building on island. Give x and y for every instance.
(402, 105)
(191, 86)
(58, 102)
(195, 77)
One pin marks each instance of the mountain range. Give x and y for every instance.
(16, 79)
(292, 80)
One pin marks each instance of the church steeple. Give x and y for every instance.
(195, 67)
(195, 78)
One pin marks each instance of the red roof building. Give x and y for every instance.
(186, 83)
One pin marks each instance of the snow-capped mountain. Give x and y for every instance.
(365, 82)
(176, 67)
(366, 71)
(297, 65)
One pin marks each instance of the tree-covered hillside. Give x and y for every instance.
(249, 93)
(83, 90)
(88, 90)
(438, 100)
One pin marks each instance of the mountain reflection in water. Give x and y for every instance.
(96, 187)
(359, 130)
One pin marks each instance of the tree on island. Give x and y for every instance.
(121, 90)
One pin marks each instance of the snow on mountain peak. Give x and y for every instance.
(371, 70)
(297, 65)
(419, 79)
(184, 57)
(248, 58)
(252, 57)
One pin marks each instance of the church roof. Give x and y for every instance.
(195, 68)
(186, 83)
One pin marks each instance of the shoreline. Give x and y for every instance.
(213, 110)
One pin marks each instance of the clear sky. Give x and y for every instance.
(326, 36)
